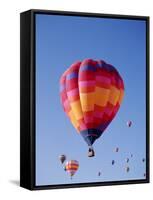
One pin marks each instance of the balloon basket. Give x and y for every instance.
(91, 152)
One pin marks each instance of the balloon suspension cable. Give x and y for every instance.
(91, 147)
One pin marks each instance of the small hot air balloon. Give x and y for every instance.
(113, 162)
(131, 155)
(144, 174)
(127, 169)
(91, 93)
(116, 149)
(129, 123)
(143, 160)
(99, 173)
(62, 158)
(71, 167)
(127, 160)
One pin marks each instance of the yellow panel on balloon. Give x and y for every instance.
(114, 95)
(77, 111)
(73, 119)
(121, 96)
(101, 96)
(87, 101)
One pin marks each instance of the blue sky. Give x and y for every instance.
(60, 41)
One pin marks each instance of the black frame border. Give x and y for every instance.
(27, 99)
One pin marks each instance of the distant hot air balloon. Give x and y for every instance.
(127, 169)
(129, 123)
(91, 94)
(143, 160)
(62, 158)
(116, 149)
(131, 155)
(71, 167)
(144, 174)
(127, 160)
(113, 162)
(99, 173)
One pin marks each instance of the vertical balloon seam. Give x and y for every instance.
(86, 93)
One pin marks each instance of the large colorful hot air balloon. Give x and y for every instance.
(71, 167)
(91, 94)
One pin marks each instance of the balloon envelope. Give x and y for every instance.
(91, 93)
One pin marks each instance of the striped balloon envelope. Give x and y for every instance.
(91, 93)
(71, 167)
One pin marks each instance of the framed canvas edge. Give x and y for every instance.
(31, 103)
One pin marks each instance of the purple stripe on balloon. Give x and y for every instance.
(103, 126)
(72, 75)
(88, 67)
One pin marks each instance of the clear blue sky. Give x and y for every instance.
(60, 41)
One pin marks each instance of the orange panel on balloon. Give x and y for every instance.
(101, 96)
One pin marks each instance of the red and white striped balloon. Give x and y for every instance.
(71, 167)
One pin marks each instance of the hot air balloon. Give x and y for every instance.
(131, 155)
(62, 158)
(99, 173)
(71, 167)
(129, 123)
(127, 160)
(127, 169)
(143, 160)
(113, 162)
(91, 93)
(116, 149)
